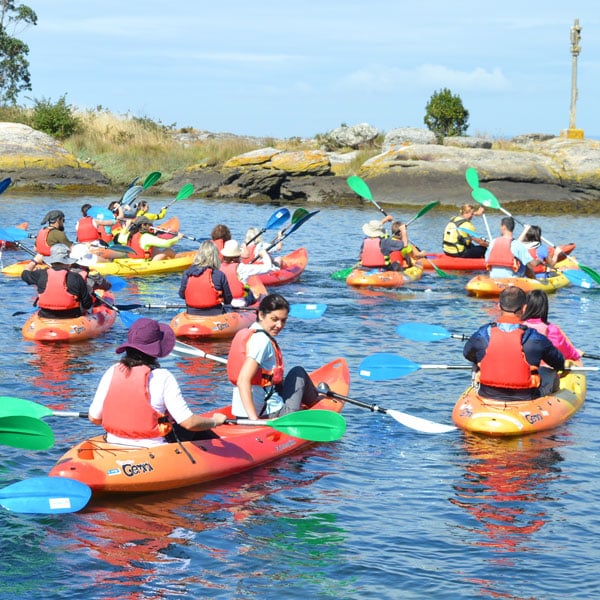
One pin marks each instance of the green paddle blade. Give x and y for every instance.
(45, 495)
(472, 178)
(10, 406)
(485, 198)
(342, 274)
(185, 192)
(360, 187)
(151, 179)
(298, 214)
(589, 271)
(314, 425)
(423, 211)
(25, 432)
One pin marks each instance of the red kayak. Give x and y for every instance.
(292, 266)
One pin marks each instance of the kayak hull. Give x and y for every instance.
(292, 266)
(497, 418)
(92, 325)
(483, 286)
(115, 468)
(380, 278)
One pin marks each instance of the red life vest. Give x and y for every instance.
(127, 411)
(41, 243)
(501, 255)
(238, 289)
(504, 364)
(134, 243)
(541, 268)
(56, 296)
(371, 254)
(251, 250)
(86, 231)
(237, 357)
(219, 243)
(397, 256)
(200, 291)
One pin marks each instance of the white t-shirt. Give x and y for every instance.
(165, 396)
(260, 348)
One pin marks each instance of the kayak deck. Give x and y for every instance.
(116, 468)
(379, 278)
(292, 266)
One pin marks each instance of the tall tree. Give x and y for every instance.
(445, 115)
(14, 66)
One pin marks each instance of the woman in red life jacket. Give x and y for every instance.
(238, 273)
(89, 229)
(255, 367)
(139, 403)
(508, 354)
(146, 244)
(219, 235)
(53, 234)
(63, 293)
(204, 287)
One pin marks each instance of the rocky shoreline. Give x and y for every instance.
(541, 172)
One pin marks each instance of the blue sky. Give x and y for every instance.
(283, 69)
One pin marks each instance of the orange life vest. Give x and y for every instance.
(237, 357)
(219, 243)
(237, 287)
(200, 291)
(372, 256)
(86, 232)
(56, 296)
(41, 242)
(251, 250)
(504, 364)
(501, 255)
(127, 411)
(134, 243)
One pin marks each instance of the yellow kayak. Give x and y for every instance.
(126, 267)
(483, 286)
(380, 278)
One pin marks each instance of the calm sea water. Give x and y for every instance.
(384, 513)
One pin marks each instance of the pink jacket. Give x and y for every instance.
(556, 336)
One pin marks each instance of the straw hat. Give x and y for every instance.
(231, 249)
(373, 229)
(150, 337)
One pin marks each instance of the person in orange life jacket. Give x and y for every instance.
(63, 293)
(89, 229)
(204, 287)
(536, 317)
(508, 353)
(219, 235)
(53, 234)
(148, 245)
(142, 209)
(507, 257)
(255, 367)
(459, 243)
(378, 245)
(84, 261)
(238, 273)
(543, 256)
(139, 403)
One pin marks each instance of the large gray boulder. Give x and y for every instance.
(353, 136)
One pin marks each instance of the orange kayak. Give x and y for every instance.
(498, 418)
(88, 326)
(116, 468)
(221, 326)
(483, 286)
(292, 266)
(381, 278)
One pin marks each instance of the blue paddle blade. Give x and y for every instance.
(132, 193)
(278, 218)
(101, 213)
(117, 283)
(422, 332)
(384, 366)
(13, 234)
(128, 318)
(575, 276)
(45, 495)
(4, 184)
(307, 311)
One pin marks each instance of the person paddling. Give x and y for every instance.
(54, 233)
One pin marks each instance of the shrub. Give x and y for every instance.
(445, 115)
(55, 119)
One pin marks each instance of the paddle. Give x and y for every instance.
(416, 423)
(5, 184)
(313, 425)
(439, 271)
(276, 220)
(343, 274)
(362, 189)
(45, 495)
(592, 356)
(185, 192)
(151, 179)
(472, 178)
(384, 366)
(25, 432)
(291, 230)
(424, 210)
(20, 407)
(185, 351)
(127, 318)
(424, 332)
(486, 198)
(13, 234)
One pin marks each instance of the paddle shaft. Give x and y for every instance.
(371, 407)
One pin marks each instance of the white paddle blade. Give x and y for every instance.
(420, 424)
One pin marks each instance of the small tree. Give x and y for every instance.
(445, 115)
(54, 118)
(14, 66)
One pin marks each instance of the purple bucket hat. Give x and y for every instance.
(150, 337)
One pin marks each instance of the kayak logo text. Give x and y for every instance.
(133, 470)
